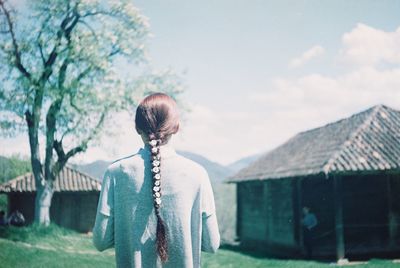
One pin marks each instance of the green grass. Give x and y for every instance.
(37, 246)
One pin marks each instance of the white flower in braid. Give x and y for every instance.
(156, 157)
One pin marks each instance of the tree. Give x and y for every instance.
(60, 82)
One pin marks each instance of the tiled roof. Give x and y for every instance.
(367, 141)
(68, 180)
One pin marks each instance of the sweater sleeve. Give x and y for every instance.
(103, 231)
(210, 238)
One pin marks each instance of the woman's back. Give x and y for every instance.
(187, 209)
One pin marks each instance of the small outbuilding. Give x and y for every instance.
(347, 172)
(74, 201)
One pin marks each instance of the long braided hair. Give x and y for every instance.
(157, 119)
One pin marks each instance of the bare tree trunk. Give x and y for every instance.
(44, 195)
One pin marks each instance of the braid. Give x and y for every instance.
(161, 234)
(156, 120)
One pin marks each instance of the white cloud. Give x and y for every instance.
(315, 99)
(313, 52)
(311, 101)
(365, 45)
(362, 87)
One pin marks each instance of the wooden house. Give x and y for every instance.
(74, 201)
(348, 172)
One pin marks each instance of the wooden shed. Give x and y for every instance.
(348, 172)
(74, 201)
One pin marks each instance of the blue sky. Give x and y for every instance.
(258, 72)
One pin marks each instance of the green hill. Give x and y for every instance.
(11, 167)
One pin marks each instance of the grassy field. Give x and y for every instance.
(56, 247)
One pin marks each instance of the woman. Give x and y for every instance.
(156, 207)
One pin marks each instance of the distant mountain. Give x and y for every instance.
(95, 169)
(216, 172)
(242, 163)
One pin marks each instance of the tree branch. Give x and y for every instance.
(38, 38)
(75, 20)
(16, 51)
(89, 27)
(82, 75)
(64, 157)
(74, 84)
(66, 27)
(69, 130)
(58, 147)
(99, 12)
(62, 73)
(73, 105)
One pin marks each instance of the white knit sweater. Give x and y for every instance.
(126, 220)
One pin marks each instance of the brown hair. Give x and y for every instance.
(157, 119)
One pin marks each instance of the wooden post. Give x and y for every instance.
(338, 210)
(391, 217)
(266, 210)
(9, 208)
(269, 220)
(299, 213)
(238, 210)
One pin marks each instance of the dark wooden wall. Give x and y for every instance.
(394, 210)
(317, 193)
(280, 213)
(24, 202)
(251, 213)
(371, 213)
(266, 215)
(269, 214)
(75, 211)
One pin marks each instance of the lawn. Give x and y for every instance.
(57, 247)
